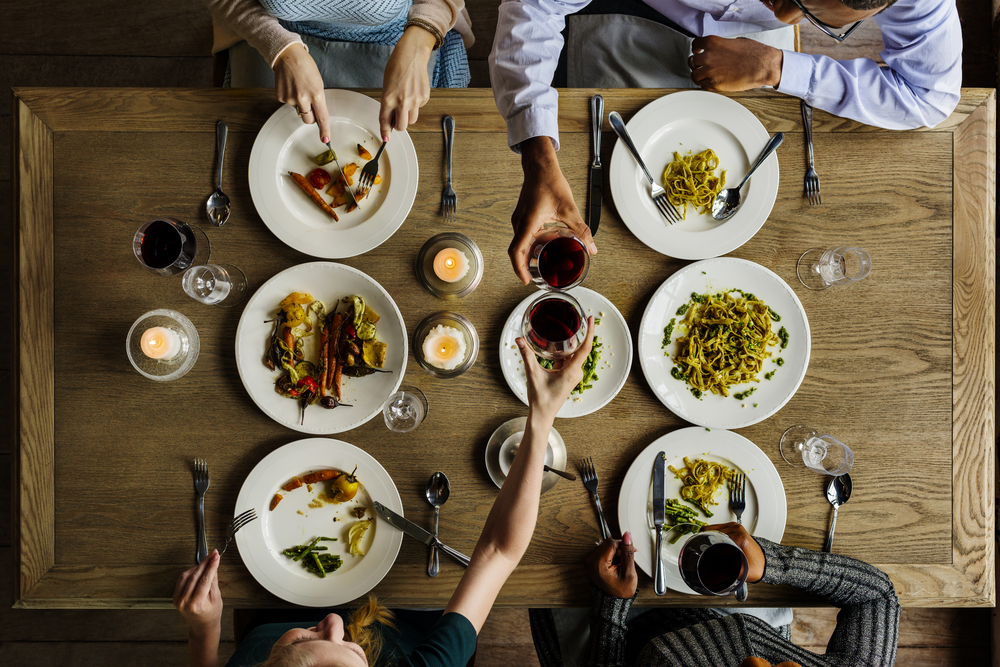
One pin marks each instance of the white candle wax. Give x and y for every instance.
(445, 347)
(451, 265)
(160, 343)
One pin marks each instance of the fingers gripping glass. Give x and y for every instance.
(829, 30)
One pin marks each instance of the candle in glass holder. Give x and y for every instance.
(444, 347)
(451, 265)
(160, 343)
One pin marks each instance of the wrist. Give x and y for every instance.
(538, 426)
(776, 61)
(419, 38)
(538, 153)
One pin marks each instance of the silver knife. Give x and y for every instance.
(596, 175)
(343, 175)
(415, 531)
(659, 492)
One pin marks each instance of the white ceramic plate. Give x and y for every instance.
(328, 282)
(716, 275)
(766, 509)
(294, 522)
(612, 369)
(693, 121)
(286, 144)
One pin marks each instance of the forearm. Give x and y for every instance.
(435, 16)
(250, 20)
(608, 615)
(203, 648)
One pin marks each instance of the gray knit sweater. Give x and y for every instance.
(866, 634)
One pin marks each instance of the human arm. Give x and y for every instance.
(611, 568)
(512, 519)
(197, 598)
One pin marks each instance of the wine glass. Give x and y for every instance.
(405, 410)
(821, 269)
(554, 325)
(712, 564)
(557, 260)
(821, 453)
(215, 284)
(168, 246)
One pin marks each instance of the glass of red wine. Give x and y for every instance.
(712, 564)
(554, 325)
(168, 246)
(558, 260)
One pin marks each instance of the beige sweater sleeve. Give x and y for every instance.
(439, 16)
(249, 20)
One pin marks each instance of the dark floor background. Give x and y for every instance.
(109, 43)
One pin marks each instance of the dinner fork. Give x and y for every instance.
(658, 194)
(449, 200)
(201, 482)
(738, 503)
(812, 178)
(234, 527)
(367, 178)
(590, 481)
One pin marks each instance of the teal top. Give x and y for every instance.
(450, 643)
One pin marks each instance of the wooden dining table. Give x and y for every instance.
(901, 367)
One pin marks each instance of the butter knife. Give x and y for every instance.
(659, 492)
(596, 173)
(415, 531)
(343, 175)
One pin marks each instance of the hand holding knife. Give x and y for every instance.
(596, 173)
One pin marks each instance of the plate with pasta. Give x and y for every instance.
(724, 343)
(694, 143)
(714, 453)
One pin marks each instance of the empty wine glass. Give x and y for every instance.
(404, 410)
(821, 269)
(821, 453)
(215, 284)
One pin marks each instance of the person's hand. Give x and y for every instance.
(611, 567)
(297, 81)
(761, 662)
(545, 199)
(405, 85)
(197, 597)
(548, 390)
(743, 539)
(725, 65)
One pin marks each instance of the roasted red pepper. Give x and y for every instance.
(308, 383)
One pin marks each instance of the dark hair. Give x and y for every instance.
(867, 5)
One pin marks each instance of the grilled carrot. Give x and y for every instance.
(323, 359)
(320, 476)
(307, 187)
(292, 485)
(275, 501)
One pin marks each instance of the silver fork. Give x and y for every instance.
(449, 200)
(738, 503)
(370, 171)
(201, 482)
(590, 481)
(234, 527)
(812, 178)
(658, 194)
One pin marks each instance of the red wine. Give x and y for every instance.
(553, 320)
(161, 244)
(562, 261)
(719, 567)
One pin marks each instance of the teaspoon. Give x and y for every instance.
(438, 490)
(838, 492)
(218, 207)
(728, 201)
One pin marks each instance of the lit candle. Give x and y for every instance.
(451, 265)
(160, 343)
(445, 347)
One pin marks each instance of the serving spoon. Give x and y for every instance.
(438, 491)
(838, 492)
(728, 201)
(218, 207)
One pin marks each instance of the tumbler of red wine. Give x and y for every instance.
(557, 260)
(168, 246)
(554, 325)
(712, 564)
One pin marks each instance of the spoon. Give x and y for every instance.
(562, 473)
(438, 490)
(728, 201)
(838, 492)
(218, 207)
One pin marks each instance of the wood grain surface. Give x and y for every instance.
(901, 367)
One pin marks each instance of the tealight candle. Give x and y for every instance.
(160, 343)
(444, 347)
(451, 265)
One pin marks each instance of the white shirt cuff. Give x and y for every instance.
(796, 74)
(532, 123)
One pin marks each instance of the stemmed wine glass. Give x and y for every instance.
(168, 246)
(215, 284)
(554, 325)
(822, 269)
(712, 564)
(405, 410)
(557, 260)
(820, 453)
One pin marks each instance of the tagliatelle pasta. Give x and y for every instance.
(702, 480)
(691, 179)
(725, 343)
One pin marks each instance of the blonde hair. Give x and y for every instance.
(361, 628)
